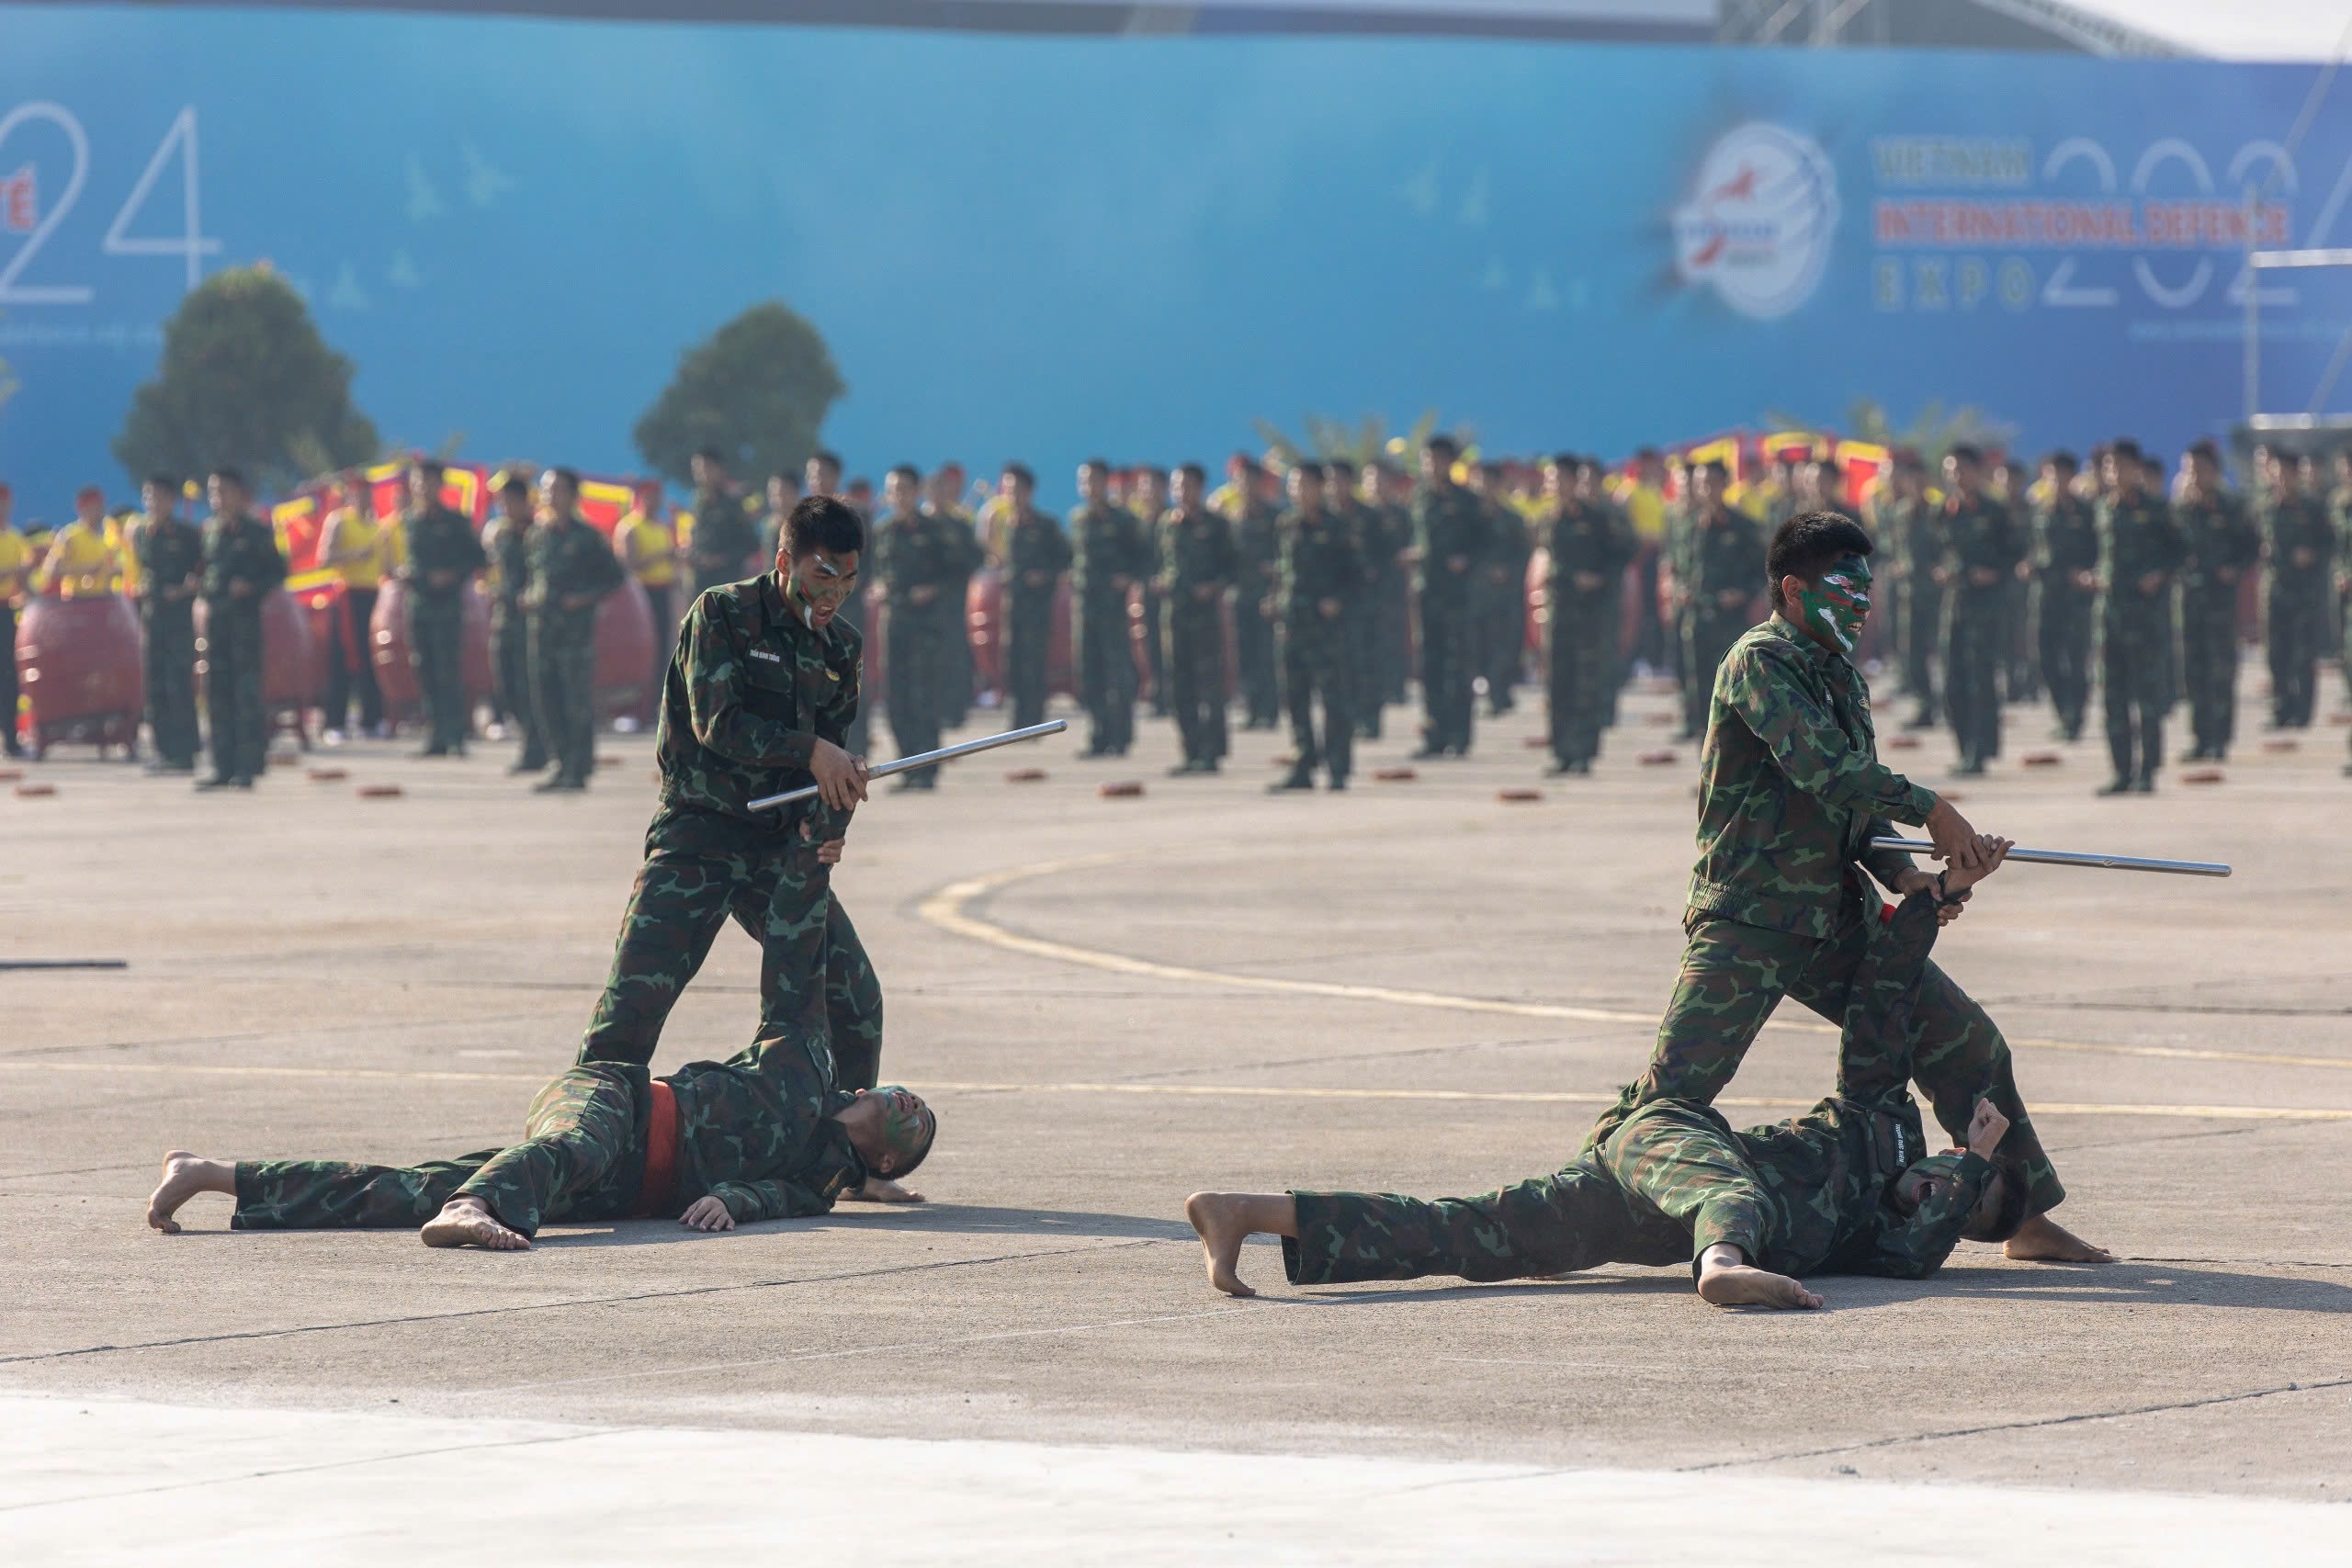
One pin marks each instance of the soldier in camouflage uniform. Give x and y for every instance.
(1390, 492)
(1501, 590)
(2021, 675)
(1848, 1188)
(1790, 794)
(1362, 519)
(2343, 512)
(443, 556)
(1148, 502)
(1197, 566)
(1914, 546)
(1592, 490)
(1108, 553)
(1319, 572)
(572, 569)
(1982, 551)
(766, 1135)
(1589, 549)
(916, 564)
(2295, 547)
(1252, 519)
(508, 544)
(2220, 544)
(241, 567)
(1037, 553)
(170, 553)
(1449, 550)
(1722, 563)
(2138, 550)
(724, 534)
(2066, 575)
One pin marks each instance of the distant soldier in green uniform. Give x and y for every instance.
(763, 1135)
(1982, 551)
(171, 564)
(724, 536)
(914, 569)
(1319, 574)
(1341, 498)
(1391, 492)
(1915, 545)
(1850, 1187)
(2020, 671)
(2066, 579)
(571, 569)
(2296, 544)
(1790, 794)
(1722, 566)
(959, 534)
(506, 543)
(1251, 515)
(2219, 544)
(1108, 555)
(1449, 551)
(241, 567)
(1148, 500)
(2139, 551)
(1589, 549)
(1037, 553)
(443, 556)
(1592, 489)
(1198, 565)
(1501, 590)
(783, 495)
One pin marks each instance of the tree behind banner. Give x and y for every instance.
(757, 389)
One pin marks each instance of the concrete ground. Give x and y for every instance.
(1416, 987)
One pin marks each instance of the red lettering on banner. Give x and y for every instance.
(2029, 224)
(20, 201)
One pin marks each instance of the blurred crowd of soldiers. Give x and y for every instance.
(1341, 580)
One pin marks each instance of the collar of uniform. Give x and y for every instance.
(779, 604)
(1828, 658)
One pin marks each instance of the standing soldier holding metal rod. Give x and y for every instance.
(443, 556)
(2295, 546)
(507, 544)
(2065, 579)
(1981, 553)
(1319, 573)
(2138, 550)
(1107, 556)
(572, 567)
(1197, 566)
(1449, 543)
(1035, 555)
(2219, 544)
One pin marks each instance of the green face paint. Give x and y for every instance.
(907, 1122)
(1839, 603)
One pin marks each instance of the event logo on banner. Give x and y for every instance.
(1757, 228)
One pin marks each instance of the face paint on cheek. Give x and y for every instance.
(1840, 603)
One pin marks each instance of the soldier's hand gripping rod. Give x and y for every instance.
(921, 760)
(2073, 857)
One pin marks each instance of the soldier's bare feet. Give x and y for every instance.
(185, 1176)
(467, 1222)
(2043, 1240)
(1724, 1281)
(1222, 1220)
(882, 1190)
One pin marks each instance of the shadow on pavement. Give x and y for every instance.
(2143, 1284)
(967, 1218)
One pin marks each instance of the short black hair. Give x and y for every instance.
(2125, 448)
(1716, 467)
(826, 458)
(1192, 472)
(1443, 446)
(1964, 452)
(1566, 460)
(2206, 449)
(787, 476)
(515, 485)
(162, 482)
(821, 523)
(1339, 466)
(431, 468)
(1808, 543)
(2061, 458)
(924, 1153)
(1099, 465)
(1493, 468)
(711, 455)
(1021, 471)
(568, 476)
(905, 471)
(2010, 1214)
(229, 473)
(1309, 471)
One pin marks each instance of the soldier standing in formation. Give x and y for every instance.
(2020, 677)
(1449, 537)
(1391, 492)
(443, 556)
(1723, 560)
(2066, 579)
(2295, 547)
(2139, 551)
(915, 566)
(1915, 545)
(722, 539)
(1147, 500)
(1107, 556)
(241, 567)
(506, 544)
(2220, 543)
(1318, 574)
(1589, 549)
(1037, 553)
(783, 495)
(959, 534)
(1359, 514)
(1197, 565)
(572, 567)
(1252, 516)
(1981, 555)
(353, 546)
(1502, 590)
(171, 566)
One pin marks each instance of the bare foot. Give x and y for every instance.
(1743, 1284)
(467, 1222)
(2043, 1240)
(882, 1190)
(1219, 1217)
(185, 1176)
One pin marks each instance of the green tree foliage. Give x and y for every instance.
(246, 380)
(757, 389)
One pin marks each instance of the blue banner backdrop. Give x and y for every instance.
(1052, 246)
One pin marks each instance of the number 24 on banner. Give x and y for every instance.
(22, 210)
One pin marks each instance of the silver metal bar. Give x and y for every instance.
(2300, 258)
(921, 760)
(2072, 857)
(2301, 422)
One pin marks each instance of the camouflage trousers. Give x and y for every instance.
(2135, 687)
(1106, 670)
(1316, 663)
(1923, 617)
(1581, 658)
(563, 675)
(1363, 620)
(1706, 639)
(1448, 656)
(1975, 632)
(919, 669)
(170, 667)
(581, 1157)
(1670, 1184)
(1195, 670)
(1253, 640)
(510, 664)
(2209, 663)
(700, 870)
(1735, 975)
(1155, 650)
(1502, 639)
(232, 702)
(437, 628)
(2061, 635)
(1028, 641)
(2295, 631)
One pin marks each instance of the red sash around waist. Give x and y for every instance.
(661, 1182)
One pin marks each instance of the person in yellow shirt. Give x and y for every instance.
(122, 538)
(353, 545)
(15, 567)
(80, 563)
(646, 542)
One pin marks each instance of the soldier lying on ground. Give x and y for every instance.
(1847, 1188)
(763, 1135)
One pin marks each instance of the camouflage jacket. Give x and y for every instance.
(756, 1131)
(750, 690)
(2135, 538)
(2295, 523)
(2065, 541)
(1254, 548)
(1106, 542)
(1387, 534)
(1826, 1176)
(1915, 539)
(168, 552)
(1727, 553)
(2215, 531)
(1315, 559)
(1035, 543)
(1449, 523)
(569, 558)
(1197, 550)
(507, 544)
(723, 538)
(918, 551)
(1581, 538)
(1979, 537)
(440, 539)
(242, 549)
(1791, 789)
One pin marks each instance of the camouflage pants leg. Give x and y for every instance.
(1549, 1224)
(320, 1194)
(1028, 631)
(1972, 655)
(435, 635)
(1448, 657)
(1923, 616)
(1195, 670)
(2208, 660)
(2063, 635)
(1316, 663)
(1105, 672)
(2135, 687)
(1394, 596)
(1707, 639)
(1254, 650)
(232, 694)
(853, 1004)
(915, 681)
(1502, 643)
(1582, 669)
(1155, 651)
(510, 641)
(1681, 1161)
(170, 667)
(563, 670)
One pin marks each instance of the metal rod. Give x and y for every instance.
(922, 759)
(2322, 257)
(64, 964)
(2073, 857)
